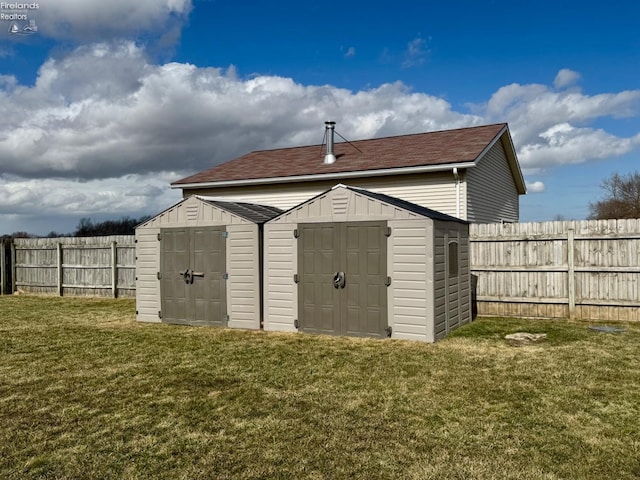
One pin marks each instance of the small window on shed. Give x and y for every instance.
(453, 259)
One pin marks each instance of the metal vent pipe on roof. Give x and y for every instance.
(330, 157)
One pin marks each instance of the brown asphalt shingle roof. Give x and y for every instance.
(422, 149)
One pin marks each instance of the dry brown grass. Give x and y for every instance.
(86, 392)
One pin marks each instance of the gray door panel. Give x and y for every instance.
(202, 299)
(366, 292)
(318, 300)
(175, 255)
(360, 251)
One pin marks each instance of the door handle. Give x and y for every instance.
(197, 274)
(339, 280)
(187, 275)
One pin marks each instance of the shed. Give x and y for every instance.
(354, 262)
(199, 263)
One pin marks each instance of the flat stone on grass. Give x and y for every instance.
(520, 339)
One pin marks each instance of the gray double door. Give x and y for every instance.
(192, 281)
(342, 287)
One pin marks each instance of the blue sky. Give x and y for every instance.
(108, 102)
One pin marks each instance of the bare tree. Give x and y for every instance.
(123, 226)
(622, 199)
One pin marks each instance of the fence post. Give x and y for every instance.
(59, 264)
(3, 267)
(14, 269)
(571, 274)
(114, 269)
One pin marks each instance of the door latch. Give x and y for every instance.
(187, 275)
(339, 280)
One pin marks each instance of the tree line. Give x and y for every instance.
(88, 228)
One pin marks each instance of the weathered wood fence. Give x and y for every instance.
(576, 269)
(97, 266)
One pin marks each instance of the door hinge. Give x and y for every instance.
(296, 323)
(224, 234)
(225, 276)
(159, 275)
(387, 282)
(159, 236)
(388, 331)
(387, 232)
(159, 313)
(225, 319)
(296, 278)
(296, 233)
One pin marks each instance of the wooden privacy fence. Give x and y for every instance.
(576, 269)
(98, 266)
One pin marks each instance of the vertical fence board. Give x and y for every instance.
(59, 274)
(13, 267)
(571, 273)
(114, 269)
(3, 267)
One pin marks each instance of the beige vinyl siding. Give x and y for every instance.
(243, 285)
(193, 212)
(453, 294)
(411, 291)
(342, 205)
(434, 190)
(147, 268)
(491, 192)
(280, 264)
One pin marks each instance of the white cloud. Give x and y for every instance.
(105, 111)
(129, 193)
(548, 126)
(416, 53)
(565, 78)
(565, 144)
(91, 20)
(105, 129)
(535, 187)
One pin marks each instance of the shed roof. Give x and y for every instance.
(250, 211)
(460, 147)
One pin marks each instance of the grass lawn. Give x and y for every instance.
(86, 392)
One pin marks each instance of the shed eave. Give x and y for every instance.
(327, 176)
